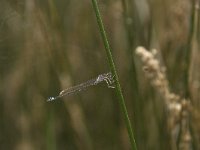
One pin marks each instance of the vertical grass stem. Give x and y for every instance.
(114, 72)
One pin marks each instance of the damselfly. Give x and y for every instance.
(107, 77)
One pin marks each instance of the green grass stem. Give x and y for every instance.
(114, 72)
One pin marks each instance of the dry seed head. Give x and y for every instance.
(161, 76)
(178, 109)
(157, 83)
(153, 70)
(154, 52)
(154, 64)
(175, 107)
(144, 54)
(149, 72)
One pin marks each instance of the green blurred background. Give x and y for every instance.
(49, 45)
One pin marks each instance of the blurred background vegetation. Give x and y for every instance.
(49, 45)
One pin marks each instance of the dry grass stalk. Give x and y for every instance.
(177, 108)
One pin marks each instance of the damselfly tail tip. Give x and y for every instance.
(50, 99)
